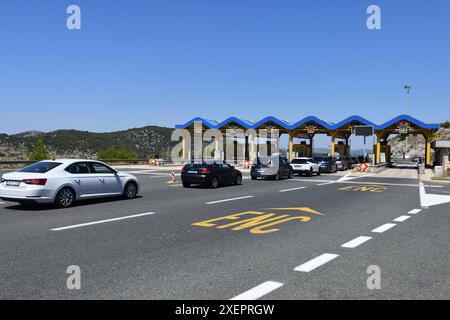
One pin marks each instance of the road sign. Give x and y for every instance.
(310, 129)
(363, 167)
(403, 127)
(364, 131)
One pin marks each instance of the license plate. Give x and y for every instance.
(12, 183)
(194, 172)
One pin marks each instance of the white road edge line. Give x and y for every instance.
(292, 189)
(316, 262)
(355, 242)
(415, 211)
(259, 291)
(226, 200)
(384, 227)
(101, 221)
(401, 218)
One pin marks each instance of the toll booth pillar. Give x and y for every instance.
(291, 144)
(246, 150)
(252, 148)
(378, 150)
(183, 149)
(427, 152)
(333, 138)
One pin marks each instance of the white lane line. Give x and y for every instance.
(316, 262)
(1, 202)
(292, 189)
(415, 211)
(102, 221)
(429, 199)
(356, 242)
(324, 184)
(176, 185)
(231, 199)
(384, 227)
(401, 218)
(259, 291)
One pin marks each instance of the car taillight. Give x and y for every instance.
(184, 169)
(205, 170)
(35, 182)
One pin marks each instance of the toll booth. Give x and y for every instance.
(302, 150)
(342, 149)
(385, 152)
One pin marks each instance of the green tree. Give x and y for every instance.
(445, 124)
(39, 151)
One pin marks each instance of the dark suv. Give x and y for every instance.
(265, 168)
(327, 164)
(212, 175)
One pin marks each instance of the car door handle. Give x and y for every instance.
(77, 180)
(101, 179)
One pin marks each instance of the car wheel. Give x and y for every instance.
(130, 190)
(254, 178)
(291, 175)
(186, 185)
(238, 180)
(214, 182)
(318, 172)
(310, 172)
(65, 198)
(277, 177)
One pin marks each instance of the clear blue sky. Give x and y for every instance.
(136, 63)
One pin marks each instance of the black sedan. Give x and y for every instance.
(265, 168)
(211, 175)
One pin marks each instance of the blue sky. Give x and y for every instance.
(136, 63)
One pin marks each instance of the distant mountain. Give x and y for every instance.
(145, 141)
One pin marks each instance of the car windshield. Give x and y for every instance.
(40, 167)
(320, 159)
(299, 161)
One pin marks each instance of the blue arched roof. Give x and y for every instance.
(212, 124)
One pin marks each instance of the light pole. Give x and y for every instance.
(407, 88)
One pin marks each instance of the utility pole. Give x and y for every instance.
(407, 88)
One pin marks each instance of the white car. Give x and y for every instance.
(65, 181)
(307, 166)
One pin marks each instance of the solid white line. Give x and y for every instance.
(259, 291)
(356, 242)
(292, 189)
(324, 184)
(316, 262)
(401, 218)
(102, 221)
(232, 199)
(415, 211)
(384, 227)
(176, 185)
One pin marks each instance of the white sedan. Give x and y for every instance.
(65, 181)
(307, 166)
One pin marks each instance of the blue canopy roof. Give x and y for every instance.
(246, 124)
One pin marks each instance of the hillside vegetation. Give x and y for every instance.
(143, 142)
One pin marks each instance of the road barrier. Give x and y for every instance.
(173, 180)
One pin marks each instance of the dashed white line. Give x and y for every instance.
(259, 291)
(384, 227)
(356, 242)
(401, 218)
(316, 262)
(292, 189)
(176, 185)
(231, 199)
(415, 211)
(102, 221)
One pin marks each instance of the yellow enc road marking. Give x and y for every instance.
(365, 188)
(259, 222)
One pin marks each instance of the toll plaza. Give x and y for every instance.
(301, 134)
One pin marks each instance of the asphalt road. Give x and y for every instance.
(177, 253)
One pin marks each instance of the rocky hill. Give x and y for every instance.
(145, 141)
(416, 144)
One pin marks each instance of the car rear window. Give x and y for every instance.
(299, 161)
(196, 165)
(40, 167)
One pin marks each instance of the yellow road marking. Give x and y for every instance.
(365, 188)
